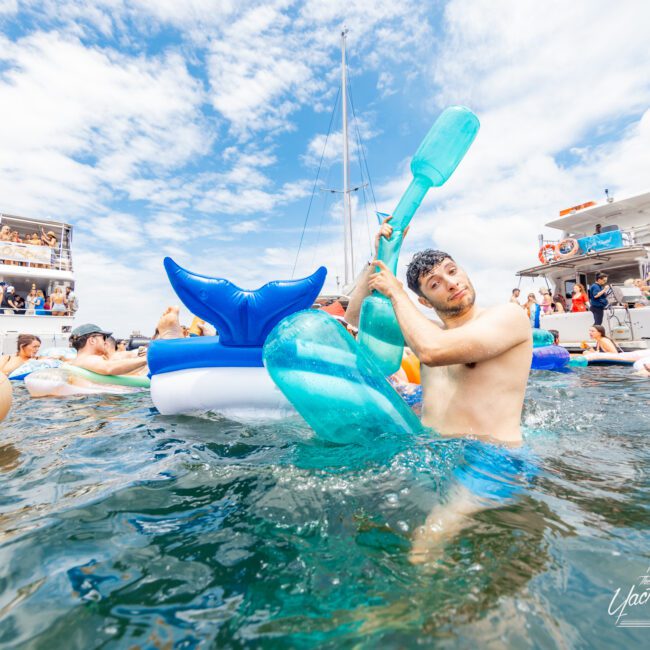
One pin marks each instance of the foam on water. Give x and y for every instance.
(120, 527)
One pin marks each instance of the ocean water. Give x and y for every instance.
(122, 528)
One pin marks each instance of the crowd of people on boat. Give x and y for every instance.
(595, 299)
(45, 238)
(61, 302)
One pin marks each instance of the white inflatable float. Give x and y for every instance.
(225, 375)
(72, 380)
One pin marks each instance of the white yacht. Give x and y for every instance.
(612, 236)
(24, 266)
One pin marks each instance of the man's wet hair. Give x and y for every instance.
(421, 265)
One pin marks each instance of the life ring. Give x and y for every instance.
(547, 247)
(575, 248)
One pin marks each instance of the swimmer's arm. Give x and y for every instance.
(113, 367)
(358, 295)
(494, 333)
(361, 290)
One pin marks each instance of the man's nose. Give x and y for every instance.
(452, 283)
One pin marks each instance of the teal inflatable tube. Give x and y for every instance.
(542, 338)
(436, 159)
(333, 382)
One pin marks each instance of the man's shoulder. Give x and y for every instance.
(505, 310)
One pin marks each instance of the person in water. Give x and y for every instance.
(28, 346)
(169, 326)
(474, 366)
(603, 342)
(90, 342)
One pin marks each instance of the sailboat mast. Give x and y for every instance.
(347, 206)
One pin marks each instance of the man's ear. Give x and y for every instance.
(425, 302)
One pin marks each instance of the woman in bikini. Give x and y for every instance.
(603, 343)
(28, 346)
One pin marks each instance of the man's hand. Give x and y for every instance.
(386, 230)
(384, 281)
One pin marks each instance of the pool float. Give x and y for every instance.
(226, 374)
(334, 382)
(640, 366)
(434, 162)
(615, 358)
(64, 353)
(32, 366)
(411, 367)
(5, 396)
(542, 337)
(550, 357)
(72, 380)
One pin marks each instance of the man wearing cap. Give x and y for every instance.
(89, 341)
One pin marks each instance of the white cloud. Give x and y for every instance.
(65, 148)
(8, 6)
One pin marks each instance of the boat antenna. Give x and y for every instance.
(363, 163)
(347, 205)
(313, 191)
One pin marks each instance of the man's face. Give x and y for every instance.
(99, 342)
(516, 293)
(602, 281)
(447, 289)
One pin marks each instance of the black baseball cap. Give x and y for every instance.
(89, 328)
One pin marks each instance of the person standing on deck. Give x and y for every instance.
(598, 297)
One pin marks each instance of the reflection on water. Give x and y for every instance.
(123, 528)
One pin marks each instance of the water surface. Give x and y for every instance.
(122, 528)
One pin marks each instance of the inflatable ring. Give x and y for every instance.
(547, 247)
(411, 366)
(574, 250)
(132, 381)
(61, 382)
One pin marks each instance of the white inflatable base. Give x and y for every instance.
(242, 394)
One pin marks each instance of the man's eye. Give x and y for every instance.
(452, 272)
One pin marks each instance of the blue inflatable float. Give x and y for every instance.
(225, 374)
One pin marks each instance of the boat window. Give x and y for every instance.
(568, 288)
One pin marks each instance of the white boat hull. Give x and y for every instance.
(574, 327)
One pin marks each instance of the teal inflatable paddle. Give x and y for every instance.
(434, 162)
(333, 382)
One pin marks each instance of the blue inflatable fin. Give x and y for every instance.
(334, 383)
(199, 352)
(242, 317)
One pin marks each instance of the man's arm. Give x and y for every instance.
(361, 291)
(495, 332)
(358, 295)
(113, 367)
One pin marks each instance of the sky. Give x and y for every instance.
(195, 130)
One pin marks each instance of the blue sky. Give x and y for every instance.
(194, 130)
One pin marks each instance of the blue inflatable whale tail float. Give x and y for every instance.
(225, 375)
(242, 317)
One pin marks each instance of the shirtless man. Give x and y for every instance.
(90, 342)
(111, 353)
(474, 367)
